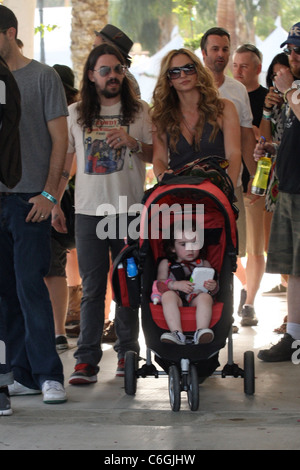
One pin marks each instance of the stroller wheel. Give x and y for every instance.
(174, 388)
(193, 388)
(249, 374)
(130, 377)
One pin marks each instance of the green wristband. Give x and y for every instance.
(49, 197)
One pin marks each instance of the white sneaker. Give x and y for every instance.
(54, 392)
(173, 337)
(203, 336)
(17, 389)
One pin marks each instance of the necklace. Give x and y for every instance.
(189, 127)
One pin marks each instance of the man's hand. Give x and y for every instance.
(59, 219)
(41, 209)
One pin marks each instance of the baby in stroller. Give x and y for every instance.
(175, 289)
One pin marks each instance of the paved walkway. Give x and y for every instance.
(101, 416)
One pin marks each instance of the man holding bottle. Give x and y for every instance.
(284, 244)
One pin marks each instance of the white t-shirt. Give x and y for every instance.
(236, 92)
(104, 174)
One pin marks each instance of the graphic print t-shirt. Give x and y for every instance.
(100, 158)
(105, 174)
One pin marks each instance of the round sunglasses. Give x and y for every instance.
(175, 72)
(288, 50)
(106, 70)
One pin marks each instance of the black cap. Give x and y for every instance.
(7, 19)
(117, 37)
(67, 76)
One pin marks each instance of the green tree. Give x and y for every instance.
(143, 21)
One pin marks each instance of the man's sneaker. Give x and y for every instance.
(248, 316)
(120, 372)
(61, 343)
(54, 392)
(204, 336)
(84, 374)
(242, 301)
(280, 352)
(17, 389)
(277, 290)
(5, 408)
(173, 337)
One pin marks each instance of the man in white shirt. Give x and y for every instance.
(215, 46)
(110, 132)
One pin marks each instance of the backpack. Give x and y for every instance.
(10, 114)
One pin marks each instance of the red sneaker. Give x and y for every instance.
(84, 374)
(121, 368)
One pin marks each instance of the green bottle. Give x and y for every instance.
(261, 178)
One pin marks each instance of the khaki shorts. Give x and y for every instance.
(241, 221)
(255, 239)
(284, 244)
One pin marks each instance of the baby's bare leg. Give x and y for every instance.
(203, 303)
(171, 303)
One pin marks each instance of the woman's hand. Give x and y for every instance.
(161, 175)
(272, 98)
(261, 149)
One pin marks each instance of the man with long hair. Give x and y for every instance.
(110, 131)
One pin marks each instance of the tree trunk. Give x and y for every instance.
(226, 18)
(24, 11)
(87, 16)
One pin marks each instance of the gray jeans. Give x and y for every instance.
(93, 259)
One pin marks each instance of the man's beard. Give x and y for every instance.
(295, 70)
(110, 93)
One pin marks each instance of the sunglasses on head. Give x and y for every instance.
(106, 70)
(289, 50)
(175, 72)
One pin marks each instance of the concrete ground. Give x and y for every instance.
(103, 417)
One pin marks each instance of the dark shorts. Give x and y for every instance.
(58, 260)
(284, 245)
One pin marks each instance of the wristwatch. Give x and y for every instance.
(295, 86)
(138, 148)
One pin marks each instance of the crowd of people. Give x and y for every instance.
(95, 142)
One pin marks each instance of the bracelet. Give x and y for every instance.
(268, 108)
(49, 197)
(286, 92)
(266, 117)
(138, 148)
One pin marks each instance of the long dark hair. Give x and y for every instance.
(89, 107)
(281, 59)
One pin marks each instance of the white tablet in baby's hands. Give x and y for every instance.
(200, 275)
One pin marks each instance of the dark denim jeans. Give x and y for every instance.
(25, 306)
(93, 259)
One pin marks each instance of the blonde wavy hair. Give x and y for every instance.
(166, 113)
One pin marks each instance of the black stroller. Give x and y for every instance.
(186, 366)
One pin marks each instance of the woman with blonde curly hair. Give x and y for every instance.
(190, 120)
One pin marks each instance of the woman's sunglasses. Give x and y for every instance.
(288, 50)
(175, 72)
(105, 70)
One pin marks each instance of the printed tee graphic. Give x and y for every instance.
(100, 158)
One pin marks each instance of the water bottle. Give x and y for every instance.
(132, 270)
(261, 178)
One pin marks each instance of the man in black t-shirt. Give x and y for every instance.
(247, 62)
(284, 244)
